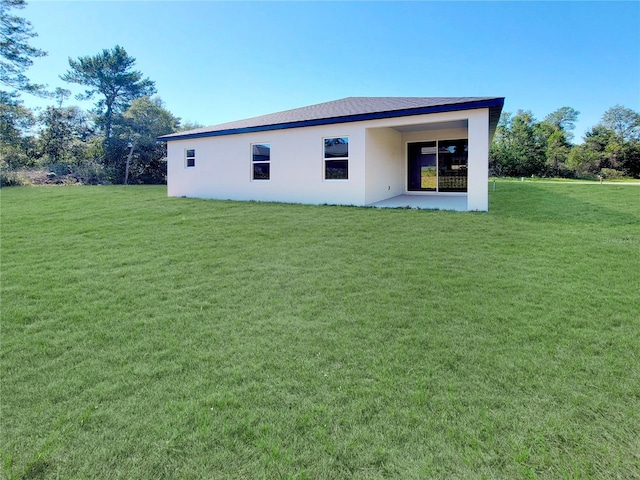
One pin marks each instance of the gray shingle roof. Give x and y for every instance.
(346, 110)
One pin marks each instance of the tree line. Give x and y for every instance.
(523, 146)
(116, 142)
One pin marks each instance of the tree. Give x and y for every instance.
(498, 150)
(622, 150)
(598, 138)
(631, 158)
(109, 74)
(563, 119)
(65, 132)
(140, 126)
(615, 141)
(555, 132)
(15, 120)
(189, 125)
(602, 148)
(624, 122)
(557, 152)
(61, 94)
(583, 160)
(518, 149)
(16, 55)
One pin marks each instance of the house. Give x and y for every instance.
(381, 151)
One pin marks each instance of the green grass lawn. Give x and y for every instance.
(152, 337)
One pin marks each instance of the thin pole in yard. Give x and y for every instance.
(126, 170)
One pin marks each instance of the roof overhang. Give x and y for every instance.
(493, 104)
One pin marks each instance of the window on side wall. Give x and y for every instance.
(190, 158)
(336, 158)
(260, 161)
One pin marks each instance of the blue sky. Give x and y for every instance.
(221, 61)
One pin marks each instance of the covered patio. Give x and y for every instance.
(437, 161)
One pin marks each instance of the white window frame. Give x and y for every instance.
(325, 159)
(188, 157)
(261, 162)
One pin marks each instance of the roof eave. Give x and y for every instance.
(492, 103)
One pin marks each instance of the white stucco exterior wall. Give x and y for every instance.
(223, 167)
(384, 166)
(478, 173)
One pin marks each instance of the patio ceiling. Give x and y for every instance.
(431, 126)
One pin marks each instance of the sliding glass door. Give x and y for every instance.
(437, 166)
(423, 166)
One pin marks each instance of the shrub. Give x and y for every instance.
(91, 173)
(88, 172)
(586, 176)
(12, 178)
(611, 174)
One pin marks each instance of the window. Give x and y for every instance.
(336, 158)
(260, 161)
(190, 158)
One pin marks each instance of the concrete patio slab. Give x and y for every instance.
(426, 202)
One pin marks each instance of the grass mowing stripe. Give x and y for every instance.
(152, 337)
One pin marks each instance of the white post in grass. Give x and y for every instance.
(131, 146)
